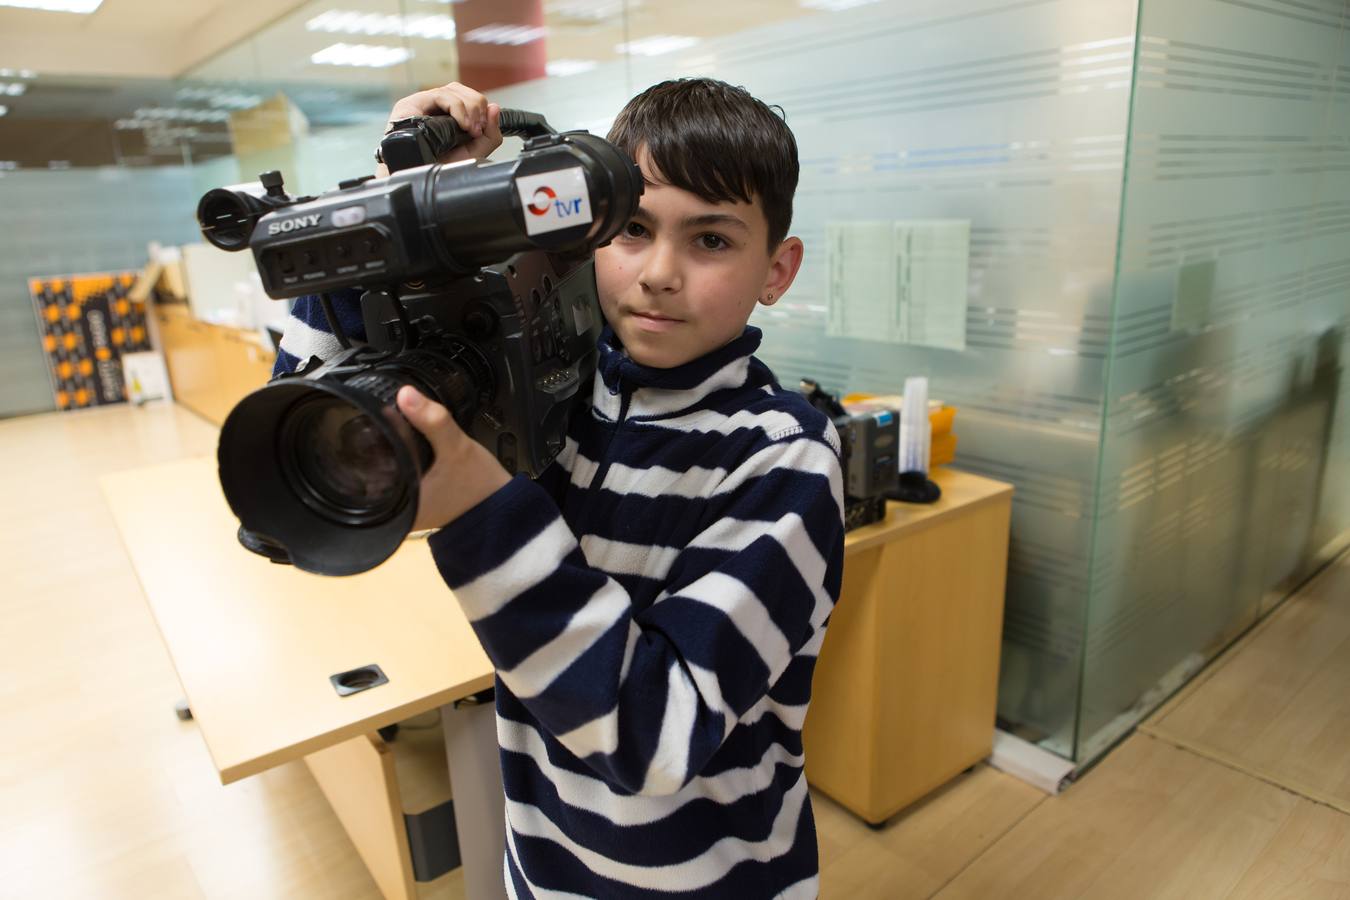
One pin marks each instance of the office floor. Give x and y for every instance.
(1238, 788)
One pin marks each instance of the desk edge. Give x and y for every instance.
(230, 773)
(872, 540)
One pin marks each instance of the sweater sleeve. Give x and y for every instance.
(307, 333)
(646, 698)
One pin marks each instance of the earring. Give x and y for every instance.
(769, 298)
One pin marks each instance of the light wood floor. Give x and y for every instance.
(1278, 707)
(1237, 793)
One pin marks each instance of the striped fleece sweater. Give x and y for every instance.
(654, 604)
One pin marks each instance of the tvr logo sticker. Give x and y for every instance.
(554, 200)
(543, 199)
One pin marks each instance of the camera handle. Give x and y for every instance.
(335, 325)
(421, 140)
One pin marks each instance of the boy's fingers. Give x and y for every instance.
(422, 103)
(468, 107)
(427, 416)
(489, 139)
(455, 108)
(475, 105)
(493, 129)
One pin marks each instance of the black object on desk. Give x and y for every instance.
(915, 487)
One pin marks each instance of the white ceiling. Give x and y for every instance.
(141, 38)
(268, 40)
(126, 81)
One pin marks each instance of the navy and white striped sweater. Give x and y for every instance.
(654, 604)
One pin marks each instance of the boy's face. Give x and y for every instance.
(683, 276)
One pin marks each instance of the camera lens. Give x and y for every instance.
(326, 471)
(342, 464)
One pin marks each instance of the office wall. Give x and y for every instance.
(68, 222)
(1224, 456)
(1011, 115)
(1168, 428)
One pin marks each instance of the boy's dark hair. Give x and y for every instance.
(716, 141)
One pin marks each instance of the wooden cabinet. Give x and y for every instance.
(906, 685)
(211, 367)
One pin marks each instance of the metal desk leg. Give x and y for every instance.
(476, 784)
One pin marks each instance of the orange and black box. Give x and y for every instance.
(87, 322)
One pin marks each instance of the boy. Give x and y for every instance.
(654, 603)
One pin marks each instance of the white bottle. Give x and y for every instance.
(915, 429)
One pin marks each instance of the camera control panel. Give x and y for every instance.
(331, 259)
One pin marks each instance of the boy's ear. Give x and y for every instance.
(783, 266)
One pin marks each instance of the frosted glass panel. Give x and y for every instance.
(1229, 343)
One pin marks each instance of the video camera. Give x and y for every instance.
(870, 444)
(478, 290)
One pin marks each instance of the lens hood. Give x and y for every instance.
(258, 474)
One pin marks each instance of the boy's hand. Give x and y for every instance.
(470, 110)
(462, 475)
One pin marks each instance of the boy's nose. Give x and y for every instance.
(661, 269)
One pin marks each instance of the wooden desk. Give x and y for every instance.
(211, 367)
(254, 645)
(906, 686)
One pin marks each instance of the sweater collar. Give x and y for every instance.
(663, 391)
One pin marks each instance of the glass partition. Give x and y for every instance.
(1143, 329)
(1223, 458)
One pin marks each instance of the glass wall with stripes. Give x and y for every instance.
(1225, 452)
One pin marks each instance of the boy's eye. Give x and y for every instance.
(712, 242)
(634, 230)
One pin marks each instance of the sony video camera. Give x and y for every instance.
(870, 444)
(478, 289)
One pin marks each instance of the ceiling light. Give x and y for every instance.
(13, 88)
(432, 28)
(588, 10)
(235, 101)
(435, 27)
(226, 99)
(561, 68)
(27, 73)
(506, 35)
(155, 113)
(4, 110)
(70, 6)
(656, 45)
(833, 5)
(373, 56)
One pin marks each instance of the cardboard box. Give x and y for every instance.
(161, 282)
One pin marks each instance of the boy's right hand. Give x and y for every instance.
(470, 109)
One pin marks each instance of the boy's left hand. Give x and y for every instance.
(462, 475)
